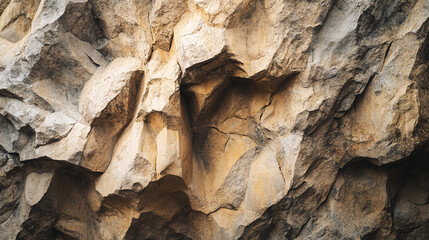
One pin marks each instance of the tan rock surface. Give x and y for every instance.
(227, 119)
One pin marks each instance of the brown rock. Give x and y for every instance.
(236, 119)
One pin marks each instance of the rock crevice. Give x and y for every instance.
(198, 119)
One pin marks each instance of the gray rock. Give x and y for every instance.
(220, 119)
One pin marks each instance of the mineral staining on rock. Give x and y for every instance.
(165, 119)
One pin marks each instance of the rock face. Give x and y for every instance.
(199, 119)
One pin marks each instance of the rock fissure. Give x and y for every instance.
(164, 119)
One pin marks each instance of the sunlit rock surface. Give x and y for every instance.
(199, 119)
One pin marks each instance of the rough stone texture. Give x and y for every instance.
(199, 119)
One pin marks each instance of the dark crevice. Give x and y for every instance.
(9, 94)
(92, 61)
(386, 55)
(228, 206)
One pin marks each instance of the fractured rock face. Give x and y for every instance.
(248, 119)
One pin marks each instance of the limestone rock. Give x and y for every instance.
(228, 119)
(36, 186)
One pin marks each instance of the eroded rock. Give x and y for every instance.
(214, 119)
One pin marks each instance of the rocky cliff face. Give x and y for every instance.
(226, 119)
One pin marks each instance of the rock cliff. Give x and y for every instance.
(222, 119)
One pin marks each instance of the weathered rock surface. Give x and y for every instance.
(197, 119)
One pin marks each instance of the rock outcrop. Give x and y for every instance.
(199, 119)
